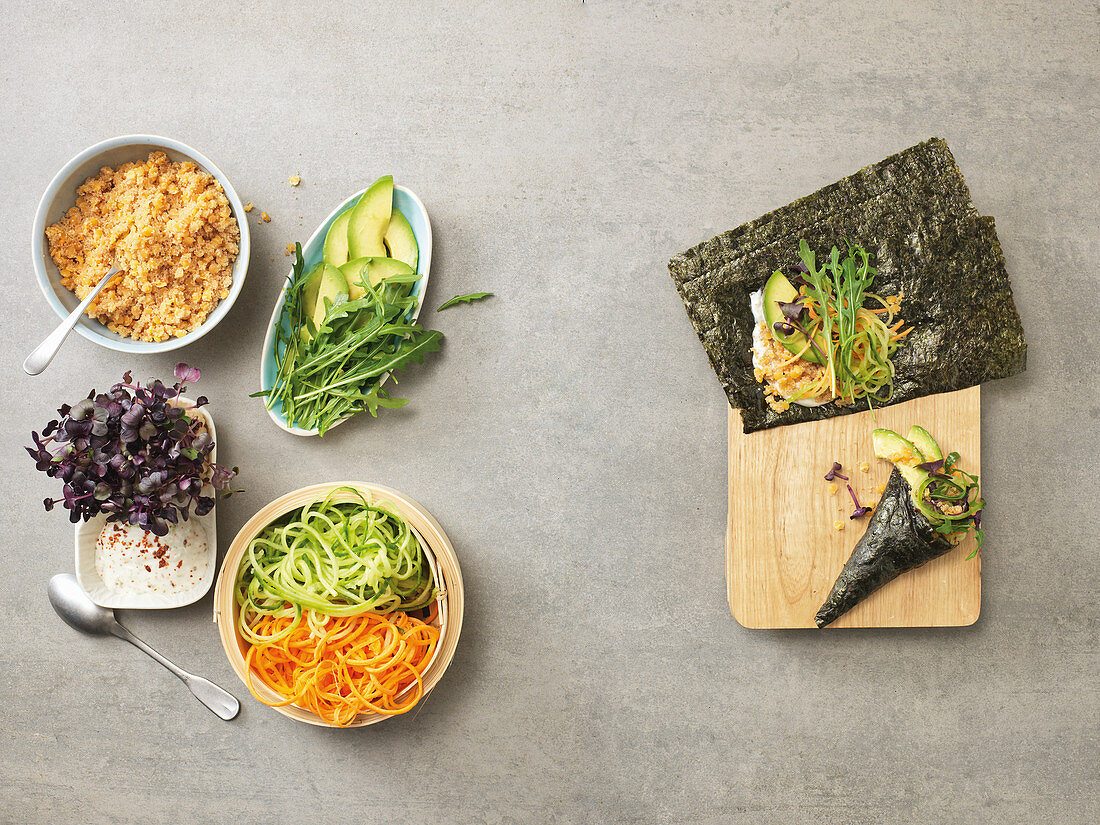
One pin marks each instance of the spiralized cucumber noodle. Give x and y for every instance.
(332, 558)
(859, 340)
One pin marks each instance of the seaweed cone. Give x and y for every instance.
(898, 539)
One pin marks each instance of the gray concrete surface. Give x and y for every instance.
(571, 438)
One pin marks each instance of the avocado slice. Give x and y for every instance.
(370, 218)
(336, 240)
(312, 287)
(923, 441)
(333, 284)
(376, 270)
(400, 240)
(382, 268)
(903, 453)
(779, 289)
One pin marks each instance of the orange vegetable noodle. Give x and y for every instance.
(339, 667)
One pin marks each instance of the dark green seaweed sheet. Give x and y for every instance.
(913, 212)
(898, 539)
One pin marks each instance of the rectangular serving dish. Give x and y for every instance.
(783, 552)
(88, 532)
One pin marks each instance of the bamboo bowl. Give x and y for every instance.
(437, 548)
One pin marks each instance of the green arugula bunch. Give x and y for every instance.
(325, 374)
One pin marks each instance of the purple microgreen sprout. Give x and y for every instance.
(187, 375)
(792, 310)
(132, 453)
(834, 473)
(859, 511)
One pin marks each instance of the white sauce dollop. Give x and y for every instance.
(756, 301)
(134, 561)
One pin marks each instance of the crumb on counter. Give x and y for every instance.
(838, 525)
(290, 249)
(295, 180)
(248, 207)
(832, 489)
(864, 467)
(266, 218)
(170, 229)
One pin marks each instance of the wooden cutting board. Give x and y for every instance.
(783, 552)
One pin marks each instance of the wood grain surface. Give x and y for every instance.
(783, 551)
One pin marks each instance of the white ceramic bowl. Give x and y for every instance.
(60, 196)
(89, 578)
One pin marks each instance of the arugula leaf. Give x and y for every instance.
(334, 371)
(465, 299)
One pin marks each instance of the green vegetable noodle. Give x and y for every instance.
(336, 558)
(332, 350)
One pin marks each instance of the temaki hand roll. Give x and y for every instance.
(898, 539)
(927, 505)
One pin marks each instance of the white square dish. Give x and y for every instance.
(88, 532)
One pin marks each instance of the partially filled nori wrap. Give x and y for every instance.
(898, 539)
(912, 212)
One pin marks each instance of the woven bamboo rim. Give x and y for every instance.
(437, 547)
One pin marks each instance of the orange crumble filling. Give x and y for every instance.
(169, 228)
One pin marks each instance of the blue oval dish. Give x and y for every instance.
(411, 207)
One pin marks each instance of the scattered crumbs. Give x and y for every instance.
(832, 489)
(248, 207)
(295, 180)
(289, 249)
(864, 466)
(266, 218)
(838, 525)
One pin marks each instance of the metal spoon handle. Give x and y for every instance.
(40, 358)
(222, 702)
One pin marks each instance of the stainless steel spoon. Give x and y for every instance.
(40, 358)
(78, 610)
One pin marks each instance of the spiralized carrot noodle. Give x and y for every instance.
(339, 667)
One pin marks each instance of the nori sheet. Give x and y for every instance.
(913, 213)
(898, 539)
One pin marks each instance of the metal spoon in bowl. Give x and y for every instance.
(78, 610)
(45, 352)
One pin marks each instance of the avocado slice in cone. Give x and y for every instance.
(898, 539)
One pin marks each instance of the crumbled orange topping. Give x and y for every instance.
(295, 180)
(248, 207)
(266, 218)
(785, 379)
(169, 228)
(864, 466)
(838, 525)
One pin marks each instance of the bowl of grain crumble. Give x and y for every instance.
(167, 217)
